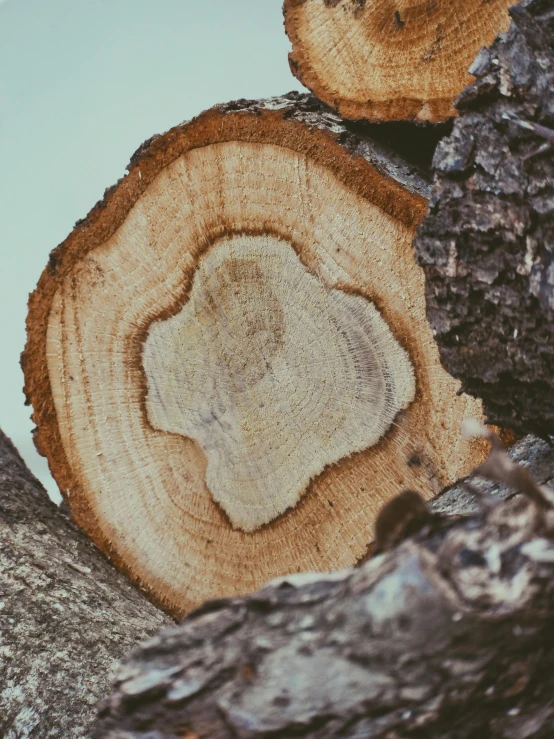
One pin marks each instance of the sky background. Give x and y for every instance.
(82, 84)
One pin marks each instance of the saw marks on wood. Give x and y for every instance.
(390, 59)
(243, 249)
(274, 374)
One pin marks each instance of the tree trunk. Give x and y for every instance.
(486, 245)
(446, 636)
(389, 61)
(240, 370)
(66, 615)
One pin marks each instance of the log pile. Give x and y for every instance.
(252, 360)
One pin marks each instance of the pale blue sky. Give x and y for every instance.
(82, 84)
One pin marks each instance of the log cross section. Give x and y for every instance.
(385, 60)
(239, 369)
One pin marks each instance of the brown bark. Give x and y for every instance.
(66, 615)
(487, 242)
(446, 636)
(239, 367)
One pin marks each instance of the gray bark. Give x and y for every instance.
(66, 615)
(382, 145)
(487, 243)
(447, 634)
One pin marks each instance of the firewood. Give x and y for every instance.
(229, 360)
(486, 245)
(382, 60)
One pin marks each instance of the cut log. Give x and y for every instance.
(384, 60)
(66, 615)
(447, 636)
(486, 245)
(229, 359)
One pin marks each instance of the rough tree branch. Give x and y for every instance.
(446, 635)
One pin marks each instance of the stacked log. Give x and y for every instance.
(240, 371)
(234, 363)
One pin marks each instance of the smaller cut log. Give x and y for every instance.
(66, 615)
(383, 60)
(447, 636)
(487, 243)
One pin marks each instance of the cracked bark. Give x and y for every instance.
(486, 245)
(447, 635)
(66, 615)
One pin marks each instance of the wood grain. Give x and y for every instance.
(385, 60)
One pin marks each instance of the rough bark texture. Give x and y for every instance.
(66, 616)
(376, 143)
(447, 635)
(487, 242)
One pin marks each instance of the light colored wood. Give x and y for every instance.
(384, 60)
(245, 260)
(274, 374)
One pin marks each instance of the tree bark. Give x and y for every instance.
(446, 636)
(66, 615)
(487, 242)
(384, 61)
(239, 367)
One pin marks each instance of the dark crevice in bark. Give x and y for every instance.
(66, 615)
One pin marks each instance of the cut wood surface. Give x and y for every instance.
(66, 615)
(446, 636)
(486, 245)
(229, 360)
(384, 60)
